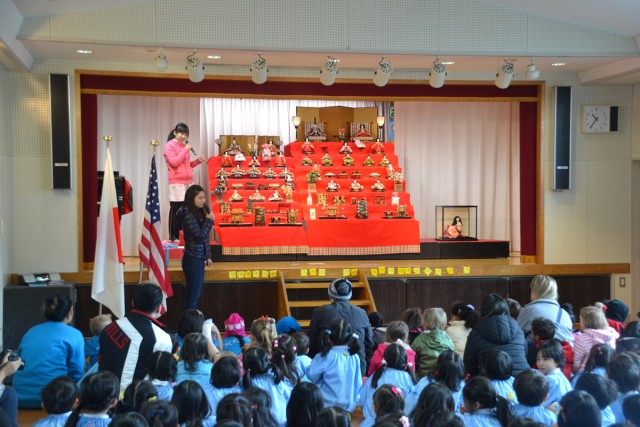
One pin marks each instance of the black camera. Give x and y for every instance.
(13, 356)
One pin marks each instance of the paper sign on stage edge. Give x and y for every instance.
(313, 272)
(354, 271)
(346, 272)
(247, 274)
(264, 274)
(322, 272)
(374, 272)
(427, 271)
(255, 274)
(449, 270)
(466, 270)
(382, 269)
(391, 270)
(273, 273)
(304, 272)
(438, 272)
(416, 270)
(240, 274)
(232, 275)
(400, 271)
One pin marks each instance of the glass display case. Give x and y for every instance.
(456, 223)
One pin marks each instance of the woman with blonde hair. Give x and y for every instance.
(544, 303)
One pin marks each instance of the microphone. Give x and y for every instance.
(207, 209)
(192, 150)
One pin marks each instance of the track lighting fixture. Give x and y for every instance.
(437, 74)
(195, 69)
(382, 73)
(329, 71)
(532, 72)
(161, 61)
(505, 74)
(259, 70)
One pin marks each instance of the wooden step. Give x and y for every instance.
(298, 304)
(317, 285)
(304, 323)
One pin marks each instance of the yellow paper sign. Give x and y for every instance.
(232, 275)
(391, 270)
(400, 271)
(264, 274)
(273, 273)
(374, 272)
(240, 274)
(449, 270)
(466, 270)
(255, 274)
(354, 271)
(427, 271)
(382, 269)
(313, 272)
(346, 272)
(438, 272)
(322, 272)
(416, 270)
(304, 272)
(247, 274)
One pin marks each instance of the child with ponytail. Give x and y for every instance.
(394, 371)
(283, 358)
(483, 407)
(98, 394)
(463, 317)
(336, 369)
(388, 404)
(263, 332)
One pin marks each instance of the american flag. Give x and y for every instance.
(150, 249)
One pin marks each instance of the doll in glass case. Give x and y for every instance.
(453, 230)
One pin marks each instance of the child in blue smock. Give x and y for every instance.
(498, 367)
(225, 379)
(599, 357)
(162, 371)
(550, 361)
(395, 372)
(92, 345)
(58, 399)
(192, 405)
(98, 394)
(336, 369)
(261, 373)
(483, 407)
(624, 370)
(194, 361)
(531, 387)
(449, 372)
(302, 360)
(434, 399)
(603, 391)
(235, 336)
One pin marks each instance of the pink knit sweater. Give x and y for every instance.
(177, 158)
(584, 341)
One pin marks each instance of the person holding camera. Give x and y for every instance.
(10, 364)
(49, 350)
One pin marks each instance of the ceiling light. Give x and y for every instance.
(437, 74)
(532, 72)
(382, 73)
(329, 71)
(195, 69)
(558, 64)
(505, 74)
(259, 70)
(84, 51)
(214, 57)
(448, 62)
(161, 61)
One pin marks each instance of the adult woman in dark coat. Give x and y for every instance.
(496, 330)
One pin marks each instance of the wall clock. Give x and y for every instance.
(599, 118)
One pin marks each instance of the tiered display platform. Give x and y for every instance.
(330, 227)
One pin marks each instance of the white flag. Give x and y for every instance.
(108, 270)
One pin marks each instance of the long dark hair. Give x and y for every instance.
(282, 357)
(235, 407)
(449, 370)
(190, 201)
(480, 390)
(256, 362)
(435, 398)
(465, 312)
(191, 402)
(180, 127)
(599, 357)
(395, 357)
(304, 405)
(493, 305)
(194, 349)
(260, 407)
(97, 393)
(339, 332)
(225, 372)
(388, 400)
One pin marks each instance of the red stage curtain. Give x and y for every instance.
(89, 110)
(528, 168)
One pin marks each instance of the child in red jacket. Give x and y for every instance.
(543, 330)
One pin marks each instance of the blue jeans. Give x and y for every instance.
(193, 269)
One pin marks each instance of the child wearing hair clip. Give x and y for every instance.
(463, 318)
(336, 369)
(397, 333)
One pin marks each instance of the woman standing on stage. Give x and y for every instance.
(176, 154)
(195, 219)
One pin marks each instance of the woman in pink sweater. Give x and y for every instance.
(180, 165)
(595, 330)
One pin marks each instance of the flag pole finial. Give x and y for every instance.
(155, 143)
(107, 139)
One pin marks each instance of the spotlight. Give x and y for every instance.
(259, 70)
(161, 61)
(505, 74)
(380, 121)
(195, 69)
(329, 71)
(383, 73)
(532, 72)
(296, 121)
(437, 74)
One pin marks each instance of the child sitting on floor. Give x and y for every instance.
(92, 345)
(532, 388)
(550, 359)
(542, 330)
(302, 360)
(59, 398)
(431, 342)
(595, 330)
(397, 333)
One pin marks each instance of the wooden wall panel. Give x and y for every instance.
(443, 292)
(390, 297)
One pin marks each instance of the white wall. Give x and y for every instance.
(5, 259)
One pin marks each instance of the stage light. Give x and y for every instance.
(195, 69)
(437, 74)
(532, 72)
(504, 76)
(382, 73)
(296, 121)
(259, 70)
(161, 61)
(380, 121)
(329, 71)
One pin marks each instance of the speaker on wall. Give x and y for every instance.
(60, 131)
(562, 138)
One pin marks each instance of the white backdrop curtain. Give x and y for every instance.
(462, 153)
(134, 121)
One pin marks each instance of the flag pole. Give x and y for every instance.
(107, 139)
(154, 143)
